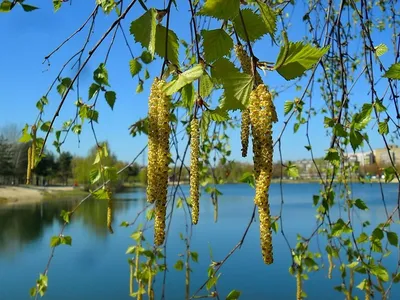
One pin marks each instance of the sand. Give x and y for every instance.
(25, 195)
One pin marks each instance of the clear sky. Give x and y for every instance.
(28, 37)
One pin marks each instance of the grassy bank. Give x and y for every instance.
(64, 195)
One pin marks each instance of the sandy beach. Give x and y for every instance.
(11, 195)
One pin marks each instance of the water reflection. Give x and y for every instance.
(23, 225)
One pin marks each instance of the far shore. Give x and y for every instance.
(17, 195)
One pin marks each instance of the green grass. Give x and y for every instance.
(57, 195)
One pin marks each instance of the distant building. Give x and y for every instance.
(362, 158)
(382, 156)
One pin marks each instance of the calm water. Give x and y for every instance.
(96, 267)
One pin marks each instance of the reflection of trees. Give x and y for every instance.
(22, 225)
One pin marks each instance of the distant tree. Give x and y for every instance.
(65, 166)
(6, 168)
(45, 168)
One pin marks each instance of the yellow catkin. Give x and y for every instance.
(109, 211)
(299, 289)
(367, 291)
(152, 168)
(33, 158)
(262, 116)
(194, 169)
(245, 131)
(162, 159)
(330, 266)
(245, 62)
(28, 168)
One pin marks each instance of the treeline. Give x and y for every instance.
(14, 163)
(55, 169)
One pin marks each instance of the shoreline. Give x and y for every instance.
(20, 195)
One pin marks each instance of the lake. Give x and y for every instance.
(96, 266)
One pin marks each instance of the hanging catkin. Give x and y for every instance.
(152, 169)
(33, 158)
(299, 289)
(161, 162)
(262, 116)
(194, 168)
(245, 62)
(28, 168)
(109, 210)
(330, 266)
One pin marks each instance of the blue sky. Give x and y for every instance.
(28, 37)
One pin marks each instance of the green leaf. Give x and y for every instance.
(187, 93)
(77, 129)
(288, 106)
(220, 9)
(292, 171)
(396, 278)
(383, 127)
(173, 44)
(340, 228)
(356, 139)
(362, 238)
(64, 86)
(179, 265)
(93, 89)
(217, 43)
(45, 126)
(144, 30)
(101, 194)
(146, 57)
(124, 224)
(5, 6)
(248, 178)
(139, 87)
(194, 256)
(233, 295)
(392, 238)
(254, 24)
(237, 86)
(380, 272)
(315, 199)
(110, 98)
(183, 79)
(275, 226)
(28, 8)
(134, 67)
(66, 240)
(137, 236)
(212, 281)
(146, 74)
(92, 115)
(150, 214)
(389, 173)
(55, 241)
(339, 130)
(65, 215)
(393, 72)
(381, 49)
(100, 75)
(361, 204)
(57, 5)
(377, 234)
(269, 17)
(218, 114)
(94, 175)
(333, 157)
(300, 58)
(206, 85)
